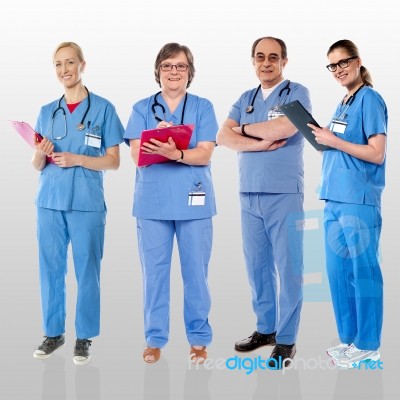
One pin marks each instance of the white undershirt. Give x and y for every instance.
(267, 92)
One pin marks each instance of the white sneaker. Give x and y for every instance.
(353, 357)
(336, 350)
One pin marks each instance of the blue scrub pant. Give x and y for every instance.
(85, 231)
(272, 231)
(352, 234)
(194, 238)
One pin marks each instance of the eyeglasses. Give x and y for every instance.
(169, 67)
(272, 58)
(342, 64)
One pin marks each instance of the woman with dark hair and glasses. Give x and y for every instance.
(174, 198)
(353, 178)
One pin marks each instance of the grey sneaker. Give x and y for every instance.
(353, 357)
(81, 351)
(336, 350)
(49, 345)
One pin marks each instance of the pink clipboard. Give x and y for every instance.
(29, 135)
(181, 135)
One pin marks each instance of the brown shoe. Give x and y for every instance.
(151, 354)
(198, 354)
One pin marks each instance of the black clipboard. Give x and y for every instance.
(300, 117)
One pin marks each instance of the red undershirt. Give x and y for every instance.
(71, 107)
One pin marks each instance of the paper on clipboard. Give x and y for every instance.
(300, 117)
(28, 134)
(181, 135)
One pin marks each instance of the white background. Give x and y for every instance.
(120, 41)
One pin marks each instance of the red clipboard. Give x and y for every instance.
(181, 135)
(29, 135)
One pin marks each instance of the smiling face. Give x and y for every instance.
(268, 62)
(69, 67)
(349, 76)
(177, 78)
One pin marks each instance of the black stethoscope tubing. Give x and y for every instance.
(352, 97)
(157, 104)
(81, 125)
(345, 106)
(250, 108)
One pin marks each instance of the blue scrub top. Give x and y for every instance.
(348, 179)
(162, 190)
(77, 188)
(279, 171)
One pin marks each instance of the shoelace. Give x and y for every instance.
(257, 335)
(352, 349)
(83, 344)
(49, 342)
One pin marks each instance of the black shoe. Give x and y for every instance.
(281, 354)
(49, 345)
(255, 341)
(81, 351)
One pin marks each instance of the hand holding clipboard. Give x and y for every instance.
(180, 134)
(29, 135)
(300, 117)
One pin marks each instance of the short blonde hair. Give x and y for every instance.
(75, 46)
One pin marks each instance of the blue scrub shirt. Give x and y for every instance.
(348, 179)
(77, 188)
(162, 190)
(280, 171)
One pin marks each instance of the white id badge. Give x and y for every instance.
(338, 126)
(275, 112)
(197, 198)
(93, 140)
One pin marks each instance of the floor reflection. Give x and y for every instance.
(358, 384)
(156, 381)
(87, 382)
(53, 378)
(196, 385)
(277, 385)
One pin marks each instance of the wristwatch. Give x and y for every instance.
(181, 158)
(242, 129)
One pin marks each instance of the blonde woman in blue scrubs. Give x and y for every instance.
(353, 178)
(81, 133)
(163, 207)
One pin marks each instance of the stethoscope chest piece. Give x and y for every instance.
(249, 109)
(80, 127)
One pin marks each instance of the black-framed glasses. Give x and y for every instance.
(272, 58)
(342, 64)
(169, 67)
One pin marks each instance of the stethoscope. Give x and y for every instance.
(250, 108)
(80, 126)
(342, 113)
(157, 104)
